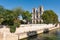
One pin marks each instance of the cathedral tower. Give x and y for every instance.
(36, 15)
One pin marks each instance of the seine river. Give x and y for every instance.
(52, 35)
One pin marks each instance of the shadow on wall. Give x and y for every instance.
(1, 26)
(31, 35)
(46, 30)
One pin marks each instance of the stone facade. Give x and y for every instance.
(36, 15)
(6, 35)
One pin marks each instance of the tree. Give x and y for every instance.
(10, 18)
(17, 12)
(2, 12)
(27, 15)
(49, 16)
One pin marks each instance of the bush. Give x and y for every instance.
(12, 29)
(17, 24)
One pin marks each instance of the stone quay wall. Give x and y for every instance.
(25, 30)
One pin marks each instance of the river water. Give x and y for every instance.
(52, 35)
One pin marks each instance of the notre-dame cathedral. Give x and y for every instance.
(36, 15)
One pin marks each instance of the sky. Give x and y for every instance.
(29, 4)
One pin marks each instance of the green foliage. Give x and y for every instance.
(2, 12)
(17, 22)
(27, 16)
(7, 22)
(11, 17)
(12, 29)
(17, 12)
(49, 16)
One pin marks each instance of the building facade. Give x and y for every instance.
(36, 15)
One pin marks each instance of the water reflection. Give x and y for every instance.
(52, 35)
